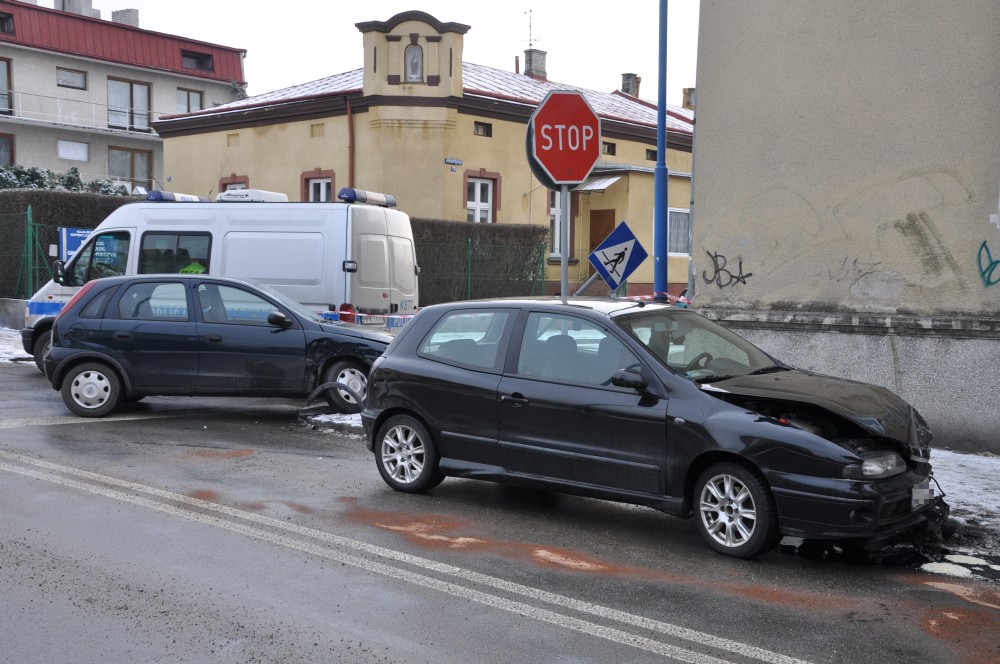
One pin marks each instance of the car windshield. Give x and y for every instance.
(694, 346)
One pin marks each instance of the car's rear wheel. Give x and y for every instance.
(354, 376)
(42, 344)
(91, 389)
(734, 511)
(406, 456)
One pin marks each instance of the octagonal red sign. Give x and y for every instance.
(564, 138)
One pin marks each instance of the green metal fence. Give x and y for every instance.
(24, 261)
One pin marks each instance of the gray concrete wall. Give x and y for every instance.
(946, 368)
(12, 313)
(846, 157)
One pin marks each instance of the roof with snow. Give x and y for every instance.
(478, 81)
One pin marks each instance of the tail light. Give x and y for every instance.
(347, 313)
(73, 300)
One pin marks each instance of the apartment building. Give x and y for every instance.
(79, 91)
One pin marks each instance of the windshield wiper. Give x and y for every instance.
(770, 369)
(712, 379)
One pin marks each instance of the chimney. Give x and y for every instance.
(630, 84)
(126, 17)
(517, 64)
(534, 64)
(690, 98)
(81, 7)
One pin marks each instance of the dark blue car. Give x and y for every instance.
(123, 338)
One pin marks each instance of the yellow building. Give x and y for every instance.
(447, 138)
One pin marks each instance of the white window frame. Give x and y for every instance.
(555, 211)
(474, 207)
(320, 190)
(73, 150)
(686, 211)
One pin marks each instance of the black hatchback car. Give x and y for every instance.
(653, 405)
(124, 338)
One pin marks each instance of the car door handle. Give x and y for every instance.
(121, 336)
(514, 399)
(213, 338)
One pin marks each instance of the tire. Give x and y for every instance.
(91, 389)
(735, 511)
(353, 375)
(42, 344)
(406, 456)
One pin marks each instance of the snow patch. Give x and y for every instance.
(947, 568)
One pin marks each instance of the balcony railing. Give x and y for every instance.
(77, 113)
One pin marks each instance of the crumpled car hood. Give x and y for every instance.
(876, 409)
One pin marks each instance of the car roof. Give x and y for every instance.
(607, 306)
(129, 278)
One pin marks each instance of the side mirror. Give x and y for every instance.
(278, 319)
(58, 272)
(628, 379)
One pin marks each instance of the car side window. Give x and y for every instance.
(569, 349)
(225, 304)
(103, 256)
(466, 338)
(154, 301)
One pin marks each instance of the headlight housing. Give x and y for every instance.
(875, 466)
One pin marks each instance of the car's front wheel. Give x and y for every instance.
(406, 456)
(734, 511)
(91, 389)
(351, 374)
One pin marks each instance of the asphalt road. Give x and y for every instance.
(230, 530)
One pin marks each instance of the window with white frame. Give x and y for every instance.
(679, 231)
(5, 91)
(555, 246)
(479, 197)
(73, 150)
(320, 190)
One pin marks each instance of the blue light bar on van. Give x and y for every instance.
(361, 196)
(170, 197)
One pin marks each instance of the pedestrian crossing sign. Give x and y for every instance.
(618, 256)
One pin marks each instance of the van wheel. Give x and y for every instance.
(91, 389)
(41, 345)
(354, 376)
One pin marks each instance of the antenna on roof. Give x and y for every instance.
(531, 42)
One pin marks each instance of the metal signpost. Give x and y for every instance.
(563, 144)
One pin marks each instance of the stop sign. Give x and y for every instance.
(564, 139)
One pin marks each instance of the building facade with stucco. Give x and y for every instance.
(444, 136)
(847, 180)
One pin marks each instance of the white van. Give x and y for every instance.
(356, 256)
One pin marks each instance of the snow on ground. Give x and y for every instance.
(968, 480)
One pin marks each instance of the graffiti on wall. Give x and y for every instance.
(989, 267)
(852, 270)
(721, 275)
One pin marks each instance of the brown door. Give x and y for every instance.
(602, 222)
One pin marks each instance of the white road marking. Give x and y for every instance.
(568, 622)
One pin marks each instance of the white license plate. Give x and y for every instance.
(921, 495)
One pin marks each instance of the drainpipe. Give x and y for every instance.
(350, 144)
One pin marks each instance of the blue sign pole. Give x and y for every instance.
(661, 227)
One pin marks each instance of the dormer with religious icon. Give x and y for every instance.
(413, 54)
